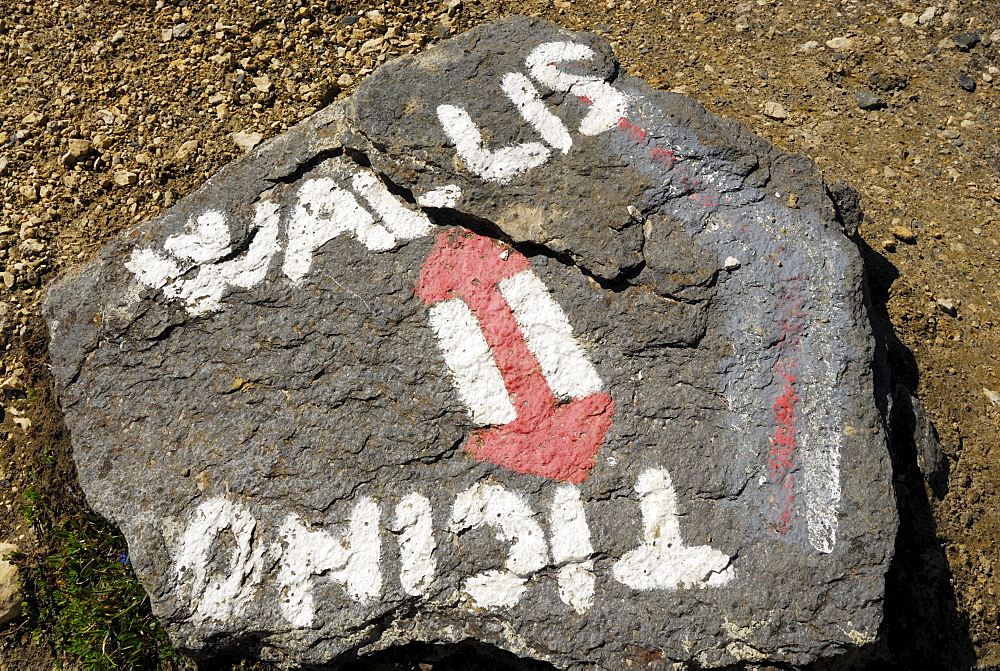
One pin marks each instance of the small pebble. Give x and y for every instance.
(967, 83)
(965, 41)
(903, 234)
(947, 306)
(840, 43)
(992, 396)
(869, 101)
(775, 110)
(246, 140)
(731, 263)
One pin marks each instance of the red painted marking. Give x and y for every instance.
(548, 438)
(585, 100)
(663, 156)
(780, 466)
(633, 131)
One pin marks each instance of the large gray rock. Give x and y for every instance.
(509, 347)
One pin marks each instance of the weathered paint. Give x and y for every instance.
(209, 241)
(549, 336)
(402, 222)
(414, 524)
(218, 595)
(486, 504)
(468, 357)
(443, 196)
(572, 549)
(323, 212)
(607, 104)
(222, 585)
(529, 103)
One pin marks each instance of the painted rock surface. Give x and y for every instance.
(508, 346)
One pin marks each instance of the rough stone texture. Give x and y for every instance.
(10, 587)
(274, 392)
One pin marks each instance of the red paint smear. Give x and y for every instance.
(585, 100)
(780, 464)
(633, 131)
(663, 156)
(553, 440)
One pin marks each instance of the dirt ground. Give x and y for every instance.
(111, 110)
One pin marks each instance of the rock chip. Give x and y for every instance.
(186, 151)
(840, 43)
(456, 358)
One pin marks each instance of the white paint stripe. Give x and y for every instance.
(402, 222)
(525, 97)
(209, 241)
(570, 540)
(351, 559)
(219, 598)
(323, 212)
(443, 196)
(820, 449)
(413, 523)
(550, 337)
(500, 165)
(608, 104)
(475, 374)
(492, 505)
(663, 561)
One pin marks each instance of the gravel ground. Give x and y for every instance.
(110, 111)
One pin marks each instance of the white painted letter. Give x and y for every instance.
(352, 561)
(663, 561)
(608, 103)
(500, 165)
(485, 504)
(416, 544)
(525, 97)
(325, 211)
(203, 292)
(571, 547)
(214, 596)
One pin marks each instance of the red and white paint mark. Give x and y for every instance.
(514, 360)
